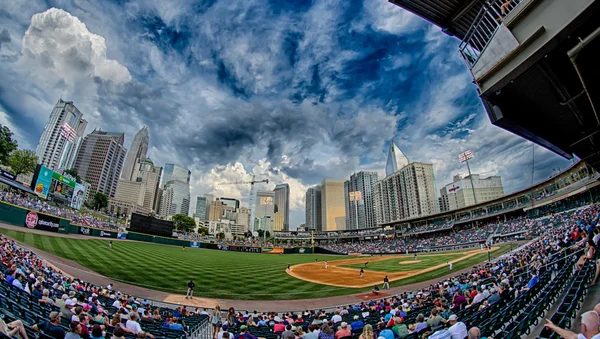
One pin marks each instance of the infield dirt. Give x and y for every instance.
(334, 275)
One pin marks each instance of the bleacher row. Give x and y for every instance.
(18, 304)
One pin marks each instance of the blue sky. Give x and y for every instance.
(294, 91)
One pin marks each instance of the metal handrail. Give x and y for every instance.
(484, 27)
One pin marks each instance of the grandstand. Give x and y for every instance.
(505, 298)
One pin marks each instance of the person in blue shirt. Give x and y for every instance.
(243, 334)
(176, 325)
(534, 280)
(357, 324)
(385, 332)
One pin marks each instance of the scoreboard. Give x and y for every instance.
(148, 225)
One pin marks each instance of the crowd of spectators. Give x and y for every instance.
(76, 217)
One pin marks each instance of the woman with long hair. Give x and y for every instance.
(230, 317)
(326, 332)
(216, 320)
(367, 332)
(156, 315)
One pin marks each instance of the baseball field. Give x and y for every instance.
(247, 276)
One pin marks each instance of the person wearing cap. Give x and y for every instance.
(357, 324)
(245, 335)
(343, 331)
(458, 330)
(52, 327)
(67, 309)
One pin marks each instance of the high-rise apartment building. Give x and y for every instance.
(333, 205)
(61, 137)
(281, 209)
(137, 153)
(405, 194)
(264, 210)
(459, 193)
(175, 198)
(215, 211)
(312, 205)
(396, 159)
(100, 160)
(358, 191)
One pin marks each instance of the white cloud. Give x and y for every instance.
(68, 50)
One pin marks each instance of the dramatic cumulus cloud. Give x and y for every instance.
(290, 91)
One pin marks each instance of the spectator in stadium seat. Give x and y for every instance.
(435, 320)
(65, 309)
(74, 330)
(96, 332)
(84, 322)
(385, 332)
(299, 332)
(177, 325)
(311, 334)
(118, 333)
(18, 281)
(357, 324)
(132, 324)
(343, 331)
(156, 315)
(279, 327)
(367, 333)
(13, 328)
(51, 328)
(245, 335)
(326, 332)
(459, 300)
(223, 330)
(458, 330)
(144, 335)
(287, 334)
(336, 318)
(589, 327)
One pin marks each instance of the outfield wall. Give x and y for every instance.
(19, 216)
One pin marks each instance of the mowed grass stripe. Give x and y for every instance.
(218, 274)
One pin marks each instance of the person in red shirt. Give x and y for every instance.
(343, 331)
(473, 293)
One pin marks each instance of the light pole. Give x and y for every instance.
(464, 157)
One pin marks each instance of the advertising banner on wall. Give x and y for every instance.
(106, 234)
(85, 231)
(122, 235)
(41, 221)
(44, 180)
(78, 196)
(194, 244)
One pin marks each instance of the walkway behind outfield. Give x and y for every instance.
(77, 270)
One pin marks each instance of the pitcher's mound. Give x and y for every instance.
(409, 262)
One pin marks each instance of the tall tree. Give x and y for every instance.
(22, 161)
(73, 172)
(7, 144)
(183, 223)
(100, 201)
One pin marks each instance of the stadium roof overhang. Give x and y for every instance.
(453, 16)
(544, 99)
(16, 185)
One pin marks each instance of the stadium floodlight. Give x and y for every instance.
(465, 157)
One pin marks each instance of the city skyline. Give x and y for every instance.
(334, 83)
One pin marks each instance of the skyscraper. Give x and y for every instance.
(176, 190)
(312, 204)
(405, 194)
(62, 136)
(137, 152)
(100, 161)
(147, 173)
(175, 199)
(333, 205)
(201, 208)
(396, 159)
(264, 210)
(281, 209)
(358, 193)
(175, 172)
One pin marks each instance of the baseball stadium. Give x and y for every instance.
(524, 264)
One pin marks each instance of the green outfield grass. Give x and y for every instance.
(218, 274)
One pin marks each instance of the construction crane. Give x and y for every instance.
(251, 199)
